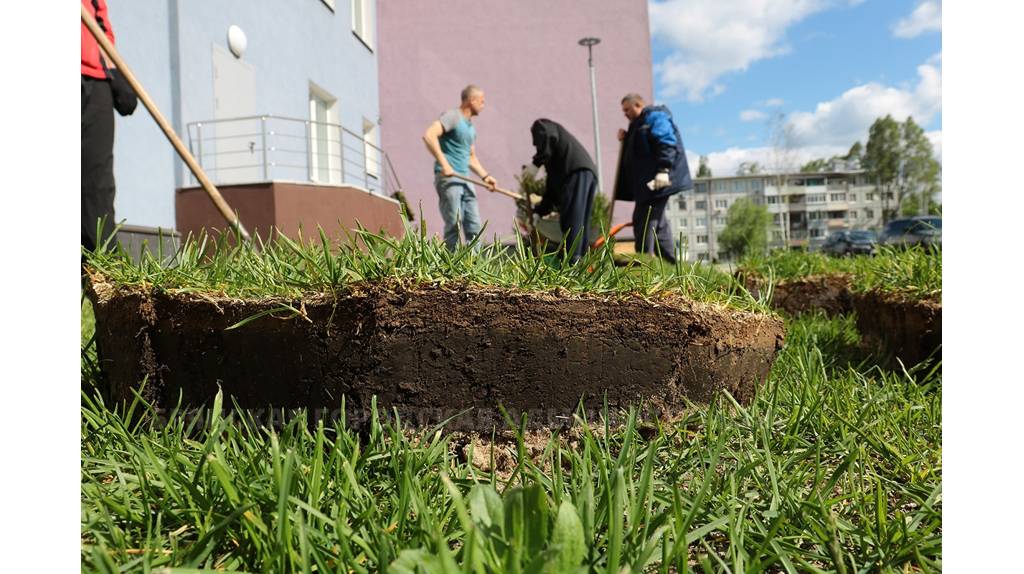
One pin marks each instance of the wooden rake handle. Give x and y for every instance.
(211, 190)
(511, 194)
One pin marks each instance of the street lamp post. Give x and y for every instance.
(590, 42)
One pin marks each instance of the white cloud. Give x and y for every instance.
(753, 115)
(772, 103)
(927, 17)
(847, 118)
(832, 127)
(710, 38)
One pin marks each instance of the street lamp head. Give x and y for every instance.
(589, 41)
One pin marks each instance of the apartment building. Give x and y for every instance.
(804, 208)
(262, 92)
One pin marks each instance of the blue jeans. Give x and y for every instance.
(458, 209)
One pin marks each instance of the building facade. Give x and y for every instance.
(259, 90)
(804, 208)
(526, 57)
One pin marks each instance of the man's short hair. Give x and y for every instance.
(470, 91)
(633, 99)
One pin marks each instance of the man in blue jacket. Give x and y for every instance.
(653, 168)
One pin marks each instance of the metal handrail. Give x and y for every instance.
(274, 137)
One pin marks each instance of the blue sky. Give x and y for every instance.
(724, 66)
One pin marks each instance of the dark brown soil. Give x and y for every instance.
(891, 325)
(432, 352)
(828, 293)
(909, 330)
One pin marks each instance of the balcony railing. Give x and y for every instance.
(274, 148)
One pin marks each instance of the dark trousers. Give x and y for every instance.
(650, 227)
(574, 213)
(97, 161)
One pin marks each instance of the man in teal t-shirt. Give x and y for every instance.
(450, 139)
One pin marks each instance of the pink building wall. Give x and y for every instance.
(524, 55)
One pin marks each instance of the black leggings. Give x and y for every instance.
(97, 161)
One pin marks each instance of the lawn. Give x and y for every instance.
(835, 466)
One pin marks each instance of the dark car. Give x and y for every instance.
(923, 230)
(850, 243)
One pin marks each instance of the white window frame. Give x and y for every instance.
(364, 14)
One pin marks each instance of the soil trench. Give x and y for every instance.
(431, 353)
(903, 329)
(910, 331)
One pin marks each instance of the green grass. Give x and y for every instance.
(287, 268)
(915, 273)
(835, 466)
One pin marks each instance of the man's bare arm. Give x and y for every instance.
(430, 138)
(474, 164)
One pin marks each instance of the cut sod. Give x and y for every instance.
(431, 352)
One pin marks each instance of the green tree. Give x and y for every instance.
(703, 170)
(899, 158)
(912, 206)
(856, 152)
(746, 229)
(815, 165)
(920, 168)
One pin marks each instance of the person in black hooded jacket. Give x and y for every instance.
(571, 183)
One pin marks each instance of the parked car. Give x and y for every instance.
(850, 243)
(924, 230)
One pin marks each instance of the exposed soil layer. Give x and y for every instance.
(908, 330)
(892, 325)
(828, 293)
(431, 353)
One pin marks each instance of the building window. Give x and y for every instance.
(702, 222)
(722, 203)
(776, 236)
(702, 240)
(362, 21)
(718, 186)
(853, 197)
(681, 202)
(756, 185)
(700, 187)
(888, 195)
(682, 223)
(777, 219)
(837, 197)
(719, 220)
(816, 198)
(702, 204)
(323, 150)
(869, 214)
(739, 186)
(772, 199)
(870, 196)
(815, 232)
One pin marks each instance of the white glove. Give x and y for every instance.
(661, 180)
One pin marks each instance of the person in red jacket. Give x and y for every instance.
(97, 132)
